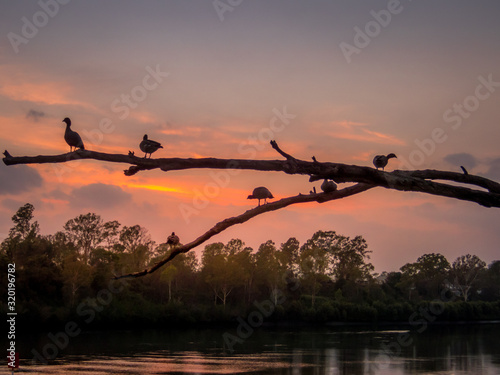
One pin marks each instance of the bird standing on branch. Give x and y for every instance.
(149, 146)
(328, 186)
(261, 193)
(173, 240)
(71, 137)
(380, 161)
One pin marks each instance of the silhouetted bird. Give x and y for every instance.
(328, 186)
(173, 240)
(71, 137)
(261, 193)
(149, 146)
(380, 161)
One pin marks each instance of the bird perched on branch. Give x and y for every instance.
(380, 161)
(328, 186)
(71, 137)
(149, 146)
(259, 193)
(173, 240)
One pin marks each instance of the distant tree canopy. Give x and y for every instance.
(327, 277)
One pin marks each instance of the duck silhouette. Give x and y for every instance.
(71, 137)
(173, 240)
(328, 186)
(149, 146)
(380, 161)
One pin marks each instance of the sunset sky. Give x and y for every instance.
(342, 81)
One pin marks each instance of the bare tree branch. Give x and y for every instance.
(247, 215)
(418, 181)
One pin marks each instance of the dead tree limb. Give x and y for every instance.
(418, 181)
(249, 214)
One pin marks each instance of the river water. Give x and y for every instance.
(463, 349)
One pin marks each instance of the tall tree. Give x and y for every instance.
(217, 271)
(76, 276)
(289, 255)
(24, 227)
(136, 247)
(270, 270)
(87, 232)
(314, 263)
(465, 271)
(350, 259)
(38, 276)
(427, 275)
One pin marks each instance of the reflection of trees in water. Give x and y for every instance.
(454, 349)
(471, 349)
(294, 351)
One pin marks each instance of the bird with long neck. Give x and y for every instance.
(71, 137)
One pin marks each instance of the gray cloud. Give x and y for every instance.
(35, 115)
(18, 179)
(100, 196)
(494, 170)
(465, 159)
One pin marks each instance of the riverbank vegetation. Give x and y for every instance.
(69, 276)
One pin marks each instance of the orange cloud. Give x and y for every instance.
(350, 124)
(365, 135)
(20, 83)
(52, 93)
(168, 189)
(385, 138)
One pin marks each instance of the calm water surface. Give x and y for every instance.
(468, 349)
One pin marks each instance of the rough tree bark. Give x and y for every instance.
(365, 178)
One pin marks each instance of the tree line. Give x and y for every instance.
(327, 278)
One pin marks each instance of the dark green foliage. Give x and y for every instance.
(69, 276)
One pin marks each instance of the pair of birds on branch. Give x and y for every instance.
(328, 186)
(262, 192)
(74, 140)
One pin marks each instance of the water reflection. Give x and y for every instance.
(438, 350)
